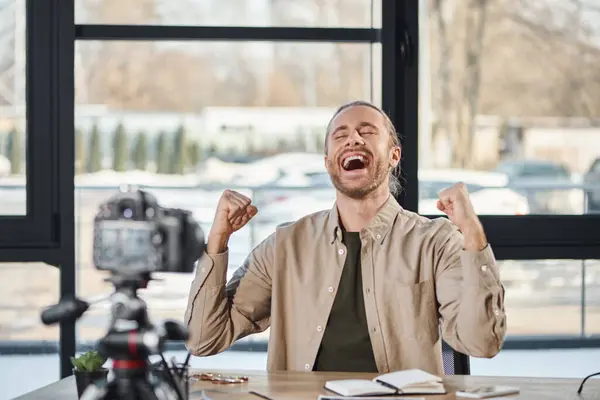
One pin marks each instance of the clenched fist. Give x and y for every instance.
(234, 210)
(455, 203)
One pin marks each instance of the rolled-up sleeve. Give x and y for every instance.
(219, 313)
(470, 296)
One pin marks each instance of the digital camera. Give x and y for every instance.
(133, 235)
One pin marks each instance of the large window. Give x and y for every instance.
(513, 101)
(243, 105)
(187, 120)
(31, 227)
(509, 104)
(188, 98)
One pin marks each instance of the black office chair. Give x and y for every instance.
(454, 363)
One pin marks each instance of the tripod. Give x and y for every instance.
(130, 340)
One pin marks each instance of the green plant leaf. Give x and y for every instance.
(88, 361)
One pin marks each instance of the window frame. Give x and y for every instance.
(62, 15)
(224, 33)
(52, 44)
(525, 237)
(46, 232)
(35, 235)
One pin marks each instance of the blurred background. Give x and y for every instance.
(509, 104)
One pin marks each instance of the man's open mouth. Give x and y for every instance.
(351, 162)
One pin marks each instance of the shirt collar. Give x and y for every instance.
(377, 229)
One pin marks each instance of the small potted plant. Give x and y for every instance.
(87, 369)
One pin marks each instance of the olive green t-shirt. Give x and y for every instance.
(346, 345)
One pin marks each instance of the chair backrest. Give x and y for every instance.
(454, 363)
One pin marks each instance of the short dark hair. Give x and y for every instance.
(394, 182)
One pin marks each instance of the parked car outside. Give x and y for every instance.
(540, 181)
(487, 190)
(592, 177)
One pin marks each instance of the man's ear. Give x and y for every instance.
(395, 156)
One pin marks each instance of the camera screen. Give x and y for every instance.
(121, 243)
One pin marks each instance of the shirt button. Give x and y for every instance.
(374, 329)
(341, 251)
(307, 366)
(497, 312)
(319, 328)
(378, 236)
(484, 268)
(368, 290)
(330, 289)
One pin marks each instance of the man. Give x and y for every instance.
(360, 287)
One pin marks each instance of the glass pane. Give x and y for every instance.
(26, 344)
(591, 323)
(276, 13)
(13, 135)
(510, 97)
(545, 298)
(187, 120)
(539, 290)
(551, 363)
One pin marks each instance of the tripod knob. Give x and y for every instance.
(175, 331)
(63, 311)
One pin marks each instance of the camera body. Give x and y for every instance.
(134, 235)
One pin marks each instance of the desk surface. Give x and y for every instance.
(308, 385)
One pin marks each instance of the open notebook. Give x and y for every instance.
(411, 381)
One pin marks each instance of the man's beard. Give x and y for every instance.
(360, 192)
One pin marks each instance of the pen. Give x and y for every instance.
(187, 359)
(262, 396)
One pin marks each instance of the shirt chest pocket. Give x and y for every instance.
(415, 310)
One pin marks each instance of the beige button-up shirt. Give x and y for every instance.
(419, 285)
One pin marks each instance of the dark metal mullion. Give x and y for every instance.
(400, 77)
(225, 33)
(63, 96)
(48, 255)
(40, 190)
(543, 230)
(546, 236)
(34, 228)
(546, 252)
(38, 116)
(391, 63)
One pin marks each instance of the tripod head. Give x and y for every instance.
(131, 337)
(129, 342)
